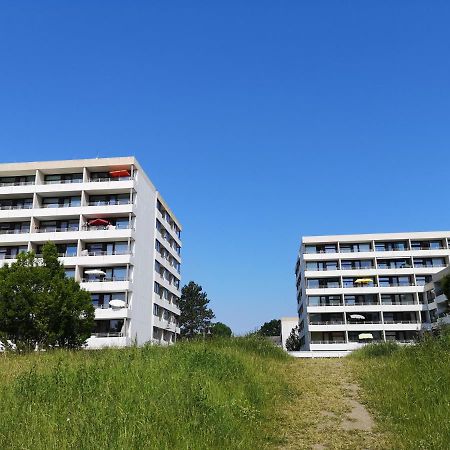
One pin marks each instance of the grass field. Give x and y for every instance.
(408, 390)
(240, 393)
(214, 395)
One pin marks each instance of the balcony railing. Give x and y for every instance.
(108, 179)
(14, 231)
(337, 303)
(327, 322)
(381, 249)
(363, 322)
(108, 334)
(361, 303)
(333, 286)
(54, 230)
(109, 307)
(58, 205)
(3, 256)
(328, 342)
(16, 183)
(390, 302)
(104, 279)
(12, 207)
(106, 227)
(390, 322)
(76, 180)
(428, 248)
(109, 203)
(105, 253)
(60, 255)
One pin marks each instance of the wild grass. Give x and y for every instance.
(408, 390)
(196, 395)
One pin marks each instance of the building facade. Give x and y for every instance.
(354, 289)
(115, 235)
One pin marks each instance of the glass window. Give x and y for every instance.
(70, 273)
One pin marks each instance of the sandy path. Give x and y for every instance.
(326, 411)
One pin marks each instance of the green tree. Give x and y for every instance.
(272, 328)
(195, 316)
(293, 342)
(219, 329)
(40, 307)
(445, 285)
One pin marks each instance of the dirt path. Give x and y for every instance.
(326, 412)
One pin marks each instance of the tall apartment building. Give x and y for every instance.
(115, 235)
(354, 289)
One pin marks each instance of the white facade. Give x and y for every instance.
(115, 234)
(287, 325)
(354, 289)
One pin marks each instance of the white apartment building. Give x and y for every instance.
(354, 289)
(115, 235)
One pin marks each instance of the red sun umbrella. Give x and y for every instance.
(98, 222)
(119, 173)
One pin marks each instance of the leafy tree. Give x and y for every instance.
(195, 316)
(219, 329)
(293, 343)
(445, 285)
(40, 307)
(272, 328)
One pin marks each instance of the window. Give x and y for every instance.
(64, 178)
(391, 246)
(357, 247)
(59, 202)
(321, 265)
(324, 300)
(356, 264)
(422, 280)
(69, 272)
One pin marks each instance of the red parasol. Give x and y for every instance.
(98, 222)
(119, 173)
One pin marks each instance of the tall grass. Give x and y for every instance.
(197, 395)
(408, 388)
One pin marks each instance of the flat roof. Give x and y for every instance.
(376, 236)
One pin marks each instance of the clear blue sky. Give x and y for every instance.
(259, 121)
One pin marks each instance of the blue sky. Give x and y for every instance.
(259, 121)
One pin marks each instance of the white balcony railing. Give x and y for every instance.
(13, 207)
(108, 334)
(104, 279)
(109, 203)
(54, 230)
(108, 179)
(14, 231)
(17, 183)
